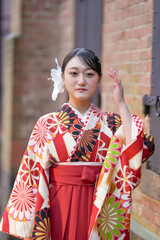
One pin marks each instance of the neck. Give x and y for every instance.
(81, 106)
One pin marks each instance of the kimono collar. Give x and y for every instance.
(84, 116)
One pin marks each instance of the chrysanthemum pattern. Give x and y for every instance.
(110, 222)
(88, 140)
(22, 201)
(114, 121)
(125, 180)
(40, 136)
(126, 200)
(55, 125)
(66, 115)
(76, 129)
(42, 225)
(30, 171)
(102, 151)
(96, 112)
(112, 154)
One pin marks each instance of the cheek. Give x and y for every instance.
(94, 83)
(69, 83)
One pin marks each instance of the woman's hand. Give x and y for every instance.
(118, 88)
(122, 106)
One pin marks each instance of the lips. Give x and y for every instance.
(81, 89)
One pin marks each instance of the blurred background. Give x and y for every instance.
(124, 34)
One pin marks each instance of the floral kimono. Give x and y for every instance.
(64, 139)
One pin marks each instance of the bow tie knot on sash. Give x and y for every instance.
(89, 175)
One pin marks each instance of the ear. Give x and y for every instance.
(100, 77)
(62, 76)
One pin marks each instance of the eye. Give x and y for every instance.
(89, 74)
(73, 74)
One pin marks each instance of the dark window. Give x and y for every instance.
(88, 29)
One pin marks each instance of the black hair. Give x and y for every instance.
(86, 56)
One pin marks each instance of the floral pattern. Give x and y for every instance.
(76, 128)
(114, 121)
(67, 116)
(40, 136)
(88, 140)
(126, 200)
(125, 179)
(79, 156)
(102, 151)
(127, 221)
(112, 154)
(111, 220)
(96, 112)
(55, 125)
(42, 226)
(22, 201)
(30, 171)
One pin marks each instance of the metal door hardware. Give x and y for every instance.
(151, 101)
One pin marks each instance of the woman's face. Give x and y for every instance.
(81, 82)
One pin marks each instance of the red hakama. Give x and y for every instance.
(71, 196)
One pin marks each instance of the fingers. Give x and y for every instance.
(114, 76)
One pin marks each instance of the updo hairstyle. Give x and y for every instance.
(86, 56)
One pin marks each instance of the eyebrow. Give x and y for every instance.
(78, 68)
(73, 68)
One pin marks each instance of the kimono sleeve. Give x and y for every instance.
(28, 205)
(114, 123)
(133, 156)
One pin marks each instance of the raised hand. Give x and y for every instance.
(118, 88)
(122, 106)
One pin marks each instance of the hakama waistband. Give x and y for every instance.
(74, 174)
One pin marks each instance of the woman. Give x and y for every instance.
(80, 165)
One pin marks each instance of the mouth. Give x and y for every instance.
(81, 89)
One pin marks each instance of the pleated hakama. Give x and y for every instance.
(71, 195)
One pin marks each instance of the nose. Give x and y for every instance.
(81, 80)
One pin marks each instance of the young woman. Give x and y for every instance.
(80, 165)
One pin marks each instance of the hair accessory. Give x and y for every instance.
(57, 79)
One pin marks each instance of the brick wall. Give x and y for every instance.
(40, 31)
(127, 46)
(46, 33)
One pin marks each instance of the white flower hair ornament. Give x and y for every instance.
(57, 79)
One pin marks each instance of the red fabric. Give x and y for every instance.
(71, 195)
(60, 147)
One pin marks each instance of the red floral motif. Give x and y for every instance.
(30, 172)
(76, 128)
(102, 151)
(40, 136)
(125, 180)
(22, 201)
(127, 221)
(97, 112)
(55, 125)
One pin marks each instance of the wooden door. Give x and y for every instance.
(152, 103)
(88, 28)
